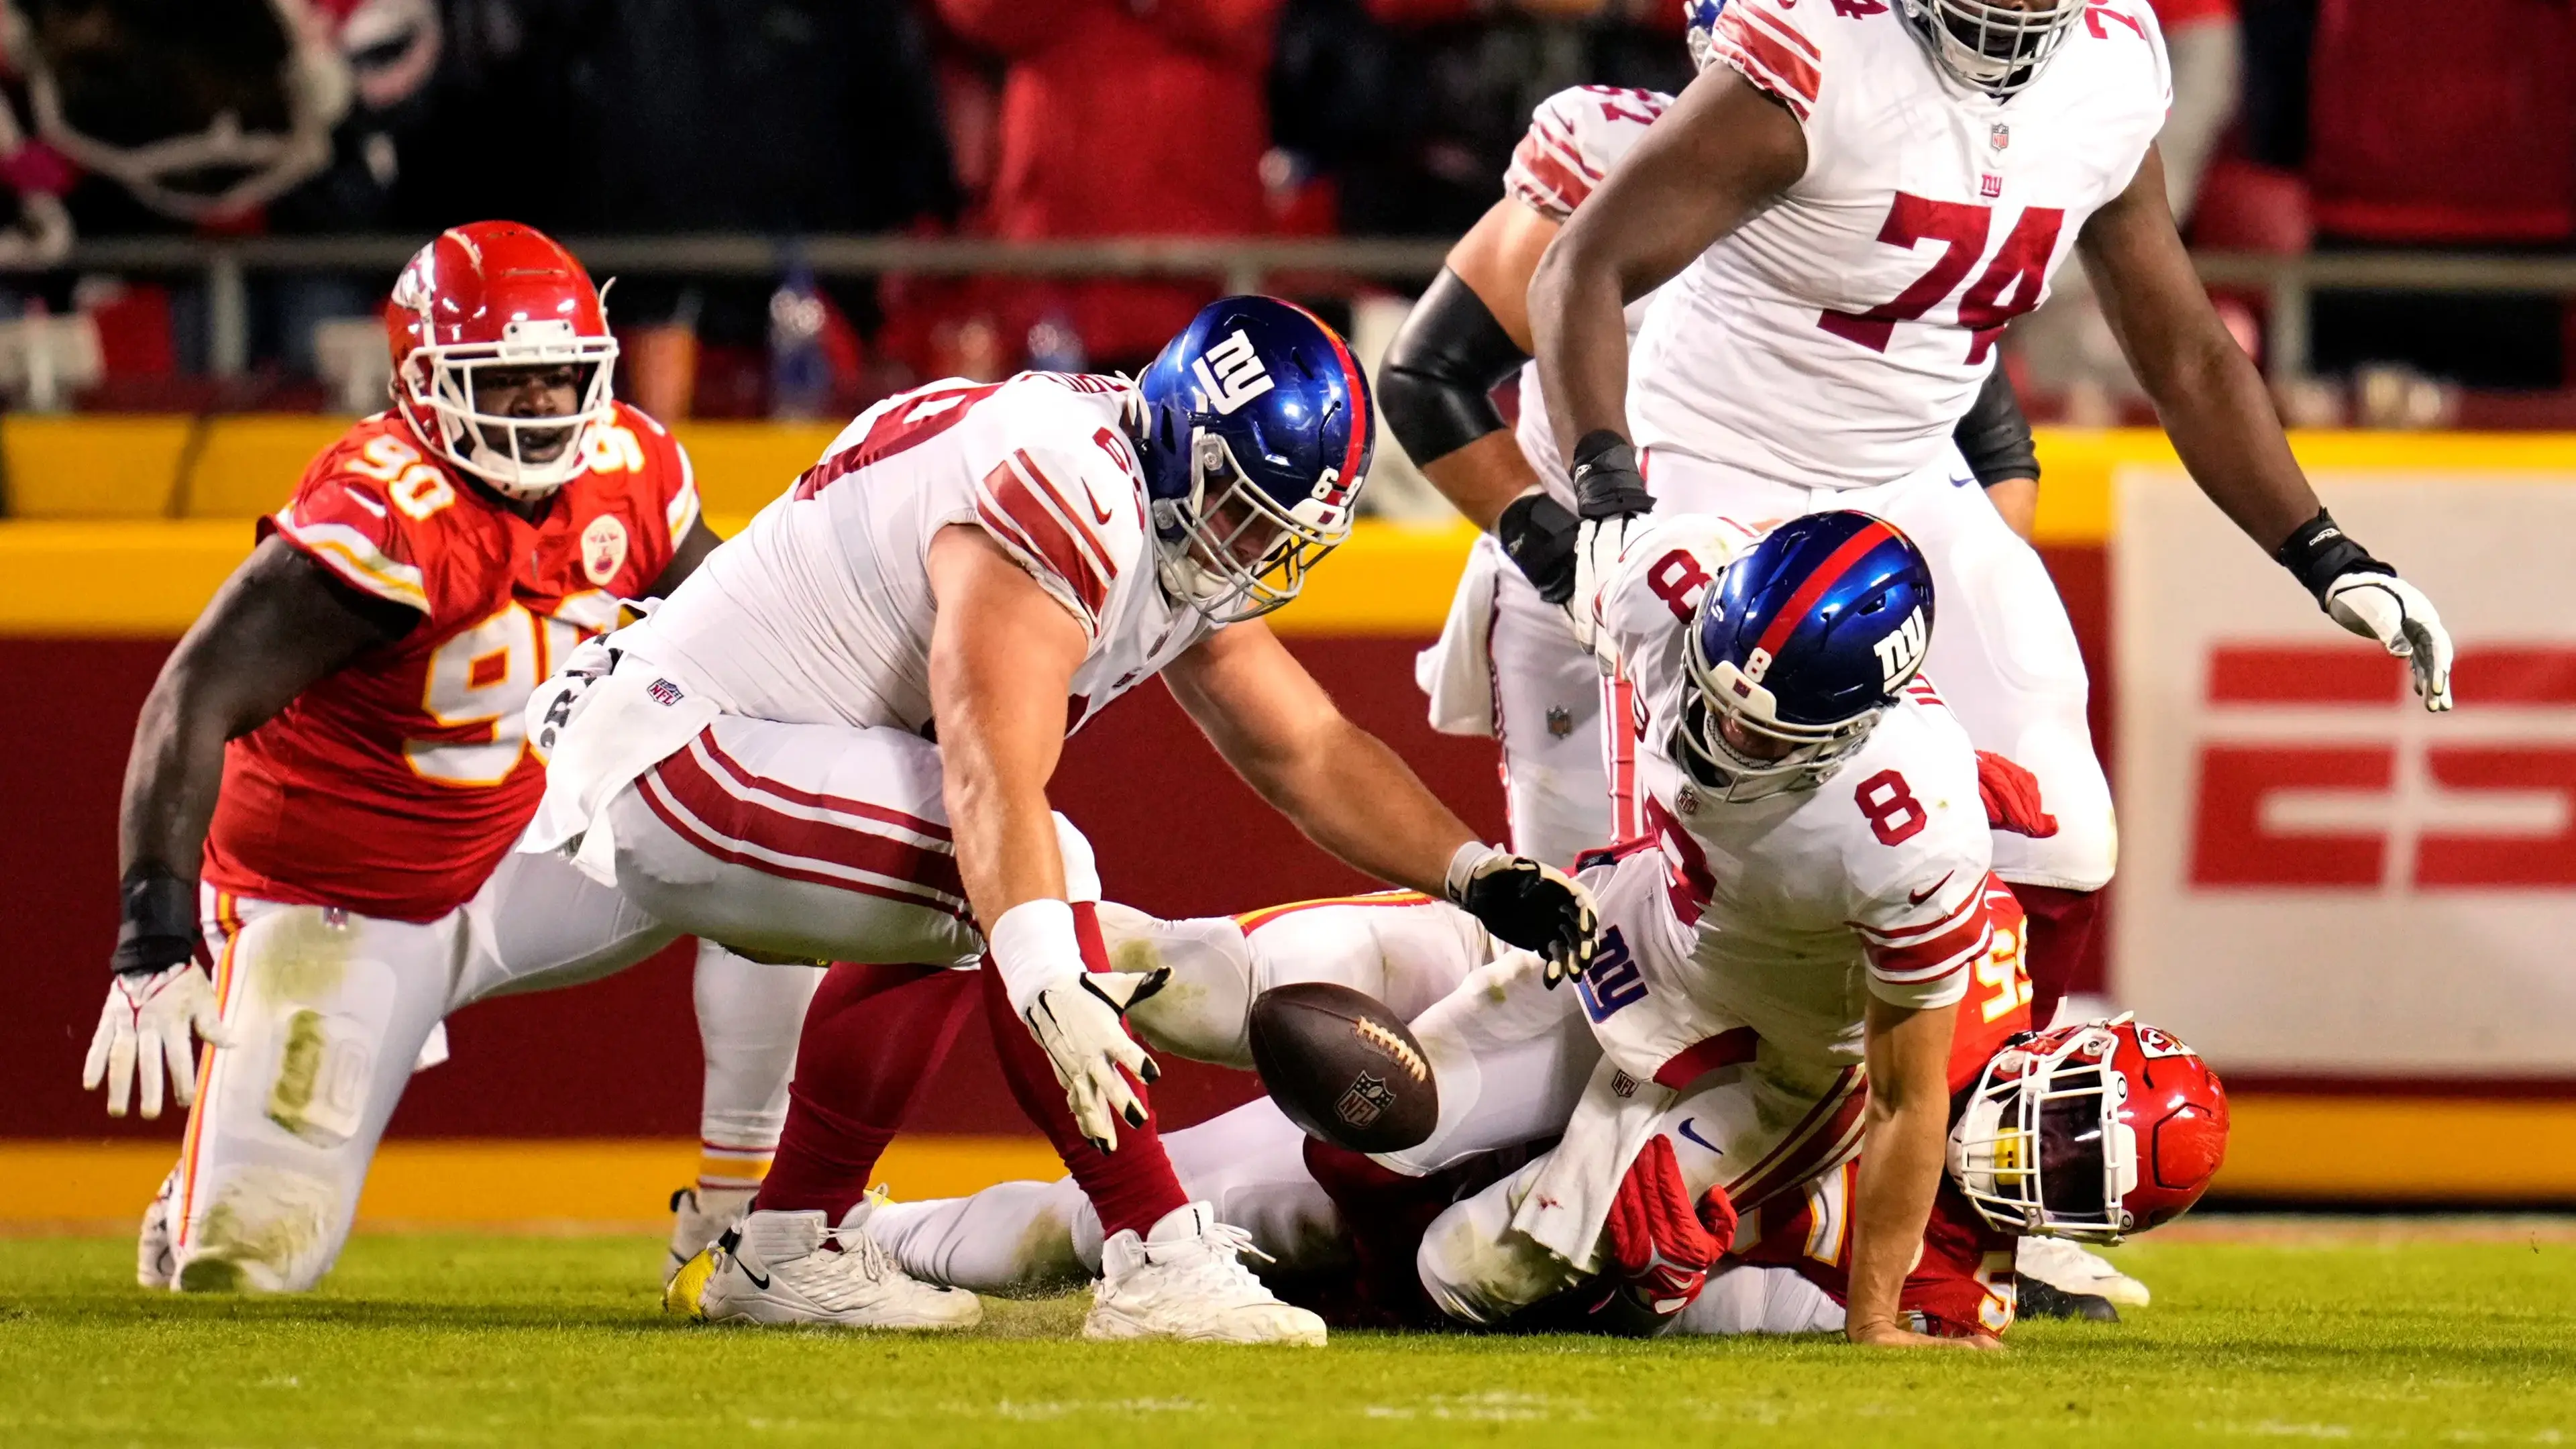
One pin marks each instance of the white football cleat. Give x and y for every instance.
(793, 1267)
(699, 1215)
(2069, 1268)
(1186, 1280)
(154, 1265)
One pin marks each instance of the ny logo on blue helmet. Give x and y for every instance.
(1256, 437)
(1798, 648)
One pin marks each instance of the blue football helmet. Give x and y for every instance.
(1258, 431)
(1699, 28)
(1798, 647)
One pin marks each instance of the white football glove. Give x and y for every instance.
(147, 1020)
(2396, 613)
(1599, 544)
(1079, 1022)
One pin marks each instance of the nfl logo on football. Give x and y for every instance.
(1367, 1099)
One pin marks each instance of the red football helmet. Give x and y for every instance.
(484, 297)
(2090, 1132)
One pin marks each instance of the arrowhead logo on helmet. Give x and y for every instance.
(479, 304)
(2090, 1132)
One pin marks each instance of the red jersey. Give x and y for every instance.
(1963, 1282)
(394, 786)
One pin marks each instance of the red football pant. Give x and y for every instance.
(873, 1037)
(2062, 923)
(1133, 1187)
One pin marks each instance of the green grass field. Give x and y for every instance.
(2295, 1331)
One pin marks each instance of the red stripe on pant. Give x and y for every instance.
(1619, 751)
(847, 841)
(1818, 1141)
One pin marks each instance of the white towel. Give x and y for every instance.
(613, 728)
(1457, 672)
(1568, 1203)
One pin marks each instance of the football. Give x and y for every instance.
(1343, 1067)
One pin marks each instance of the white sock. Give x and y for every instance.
(749, 1016)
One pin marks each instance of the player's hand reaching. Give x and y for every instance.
(1526, 904)
(147, 1020)
(2367, 597)
(1077, 1015)
(1082, 1025)
(2384, 607)
(1883, 1334)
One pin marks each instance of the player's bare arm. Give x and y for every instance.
(2206, 391)
(1002, 657)
(686, 555)
(1995, 440)
(1469, 331)
(1341, 785)
(2215, 407)
(1902, 1146)
(1713, 160)
(1351, 795)
(277, 625)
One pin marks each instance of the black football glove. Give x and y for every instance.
(1537, 533)
(1526, 904)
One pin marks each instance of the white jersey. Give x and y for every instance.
(1837, 337)
(1574, 138)
(1788, 908)
(821, 611)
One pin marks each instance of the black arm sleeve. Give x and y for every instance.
(1436, 382)
(1995, 437)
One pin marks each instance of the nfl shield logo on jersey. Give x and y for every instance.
(1999, 135)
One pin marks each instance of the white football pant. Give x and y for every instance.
(822, 842)
(329, 1011)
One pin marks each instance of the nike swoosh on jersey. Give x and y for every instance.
(1916, 898)
(1685, 1130)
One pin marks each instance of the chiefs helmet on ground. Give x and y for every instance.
(489, 296)
(2090, 1132)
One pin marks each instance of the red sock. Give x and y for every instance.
(873, 1036)
(2061, 938)
(1133, 1187)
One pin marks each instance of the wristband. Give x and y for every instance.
(157, 921)
(2318, 552)
(1033, 945)
(1462, 870)
(1606, 481)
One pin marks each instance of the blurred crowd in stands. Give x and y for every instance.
(2297, 125)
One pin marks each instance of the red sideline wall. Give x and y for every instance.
(1176, 834)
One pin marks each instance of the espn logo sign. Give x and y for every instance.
(2317, 769)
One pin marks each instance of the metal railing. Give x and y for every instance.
(1242, 265)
